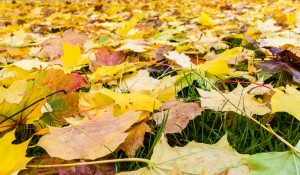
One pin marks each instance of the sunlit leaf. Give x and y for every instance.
(194, 158)
(12, 155)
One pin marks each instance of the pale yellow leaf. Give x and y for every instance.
(14, 93)
(194, 158)
(180, 59)
(139, 82)
(288, 101)
(91, 138)
(30, 64)
(239, 97)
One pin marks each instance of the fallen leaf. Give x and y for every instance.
(166, 35)
(53, 46)
(219, 66)
(14, 93)
(205, 20)
(180, 59)
(107, 73)
(72, 55)
(267, 26)
(278, 41)
(105, 58)
(63, 106)
(239, 97)
(15, 52)
(127, 26)
(12, 115)
(157, 53)
(93, 100)
(167, 90)
(135, 101)
(91, 138)
(275, 66)
(287, 101)
(134, 45)
(179, 114)
(11, 74)
(57, 80)
(16, 39)
(12, 155)
(45, 160)
(194, 158)
(135, 138)
(30, 64)
(136, 83)
(277, 163)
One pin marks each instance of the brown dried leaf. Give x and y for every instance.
(135, 139)
(179, 115)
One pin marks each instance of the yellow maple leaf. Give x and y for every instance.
(72, 55)
(129, 25)
(14, 93)
(136, 82)
(106, 73)
(238, 98)
(15, 51)
(12, 155)
(97, 135)
(288, 101)
(219, 65)
(11, 74)
(135, 101)
(180, 59)
(204, 157)
(205, 20)
(291, 18)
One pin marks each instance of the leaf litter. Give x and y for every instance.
(101, 71)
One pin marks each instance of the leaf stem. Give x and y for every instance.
(147, 161)
(269, 129)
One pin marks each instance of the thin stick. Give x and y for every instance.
(91, 163)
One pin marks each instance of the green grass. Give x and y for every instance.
(243, 135)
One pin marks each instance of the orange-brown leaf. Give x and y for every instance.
(179, 115)
(105, 58)
(135, 139)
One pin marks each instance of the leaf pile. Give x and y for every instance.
(90, 76)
